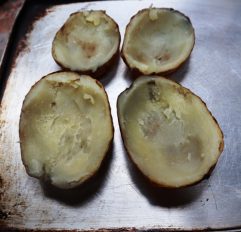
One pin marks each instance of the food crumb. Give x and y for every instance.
(189, 156)
(89, 97)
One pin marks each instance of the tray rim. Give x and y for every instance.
(5, 58)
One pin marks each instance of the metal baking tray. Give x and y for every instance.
(119, 198)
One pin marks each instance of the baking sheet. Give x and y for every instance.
(119, 197)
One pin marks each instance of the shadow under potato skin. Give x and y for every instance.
(181, 72)
(108, 76)
(85, 192)
(128, 75)
(177, 75)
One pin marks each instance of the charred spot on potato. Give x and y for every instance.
(55, 85)
(181, 91)
(90, 49)
(221, 146)
(166, 56)
(99, 84)
(163, 57)
(151, 83)
(53, 104)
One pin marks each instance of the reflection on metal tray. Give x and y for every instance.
(119, 197)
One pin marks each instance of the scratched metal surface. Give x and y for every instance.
(119, 197)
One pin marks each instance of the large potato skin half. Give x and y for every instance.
(143, 146)
(61, 138)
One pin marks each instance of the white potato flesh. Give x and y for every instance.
(65, 128)
(86, 41)
(168, 131)
(158, 40)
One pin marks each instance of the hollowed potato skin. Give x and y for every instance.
(45, 177)
(148, 178)
(135, 71)
(101, 70)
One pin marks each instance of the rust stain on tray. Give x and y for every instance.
(8, 12)
(12, 204)
(1, 192)
(60, 230)
(22, 43)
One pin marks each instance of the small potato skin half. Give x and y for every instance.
(164, 185)
(101, 70)
(45, 177)
(135, 70)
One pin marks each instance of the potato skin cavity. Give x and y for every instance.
(88, 43)
(61, 137)
(168, 132)
(157, 41)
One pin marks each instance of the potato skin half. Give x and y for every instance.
(137, 72)
(162, 185)
(101, 70)
(46, 178)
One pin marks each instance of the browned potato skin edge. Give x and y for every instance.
(162, 185)
(45, 177)
(137, 72)
(101, 70)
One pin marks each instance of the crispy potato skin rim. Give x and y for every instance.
(135, 70)
(164, 185)
(21, 137)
